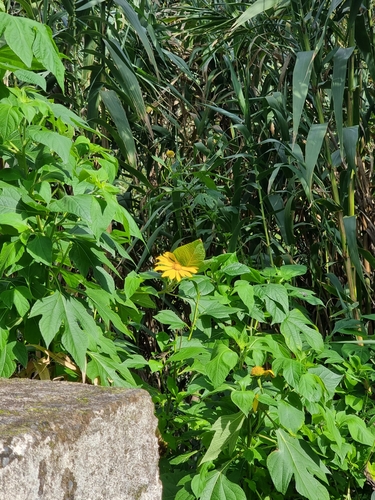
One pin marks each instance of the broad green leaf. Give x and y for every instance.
(235, 269)
(186, 353)
(40, 248)
(222, 361)
(20, 35)
(225, 428)
(256, 8)
(211, 306)
(46, 52)
(192, 254)
(294, 458)
(294, 327)
(31, 77)
(290, 417)
(358, 430)
(132, 283)
(10, 253)
(101, 301)
(245, 292)
(7, 364)
(170, 318)
(292, 370)
(9, 200)
(68, 314)
(330, 379)
(14, 220)
(11, 118)
(301, 79)
(52, 310)
(291, 271)
(244, 400)
(276, 299)
(350, 138)
(310, 387)
(53, 140)
(218, 487)
(109, 372)
(340, 62)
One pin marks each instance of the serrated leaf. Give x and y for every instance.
(53, 140)
(291, 459)
(170, 318)
(11, 117)
(218, 487)
(222, 361)
(192, 254)
(225, 428)
(244, 400)
(40, 248)
(290, 417)
(295, 327)
(69, 315)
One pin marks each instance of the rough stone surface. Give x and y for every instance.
(69, 441)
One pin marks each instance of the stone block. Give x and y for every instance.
(70, 441)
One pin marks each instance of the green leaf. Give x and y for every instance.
(301, 79)
(69, 315)
(222, 361)
(40, 248)
(20, 36)
(14, 220)
(132, 17)
(192, 254)
(244, 400)
(11, 118)
(310, 387)
(290, 417)
(170, 318)
(7, 364)
(53, 140)
(340, 62)
(225, 428)
(51, 309)
(218, 487)
(358, 430)
(294, 458)
(256, 8)
(330, 379)
(118, 114)
(276, 300)
(350, 224)
(294, 327)
(246, 293)
(314, 143)
(108, 371)
(292, 370)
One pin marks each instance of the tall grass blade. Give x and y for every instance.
(117, 112)
(256, 8)
(340, 62)
(132, 17)
(350, 224)
(314, 143)
(350, 139)
(301, 80)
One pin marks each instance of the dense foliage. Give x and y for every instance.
(237, 140)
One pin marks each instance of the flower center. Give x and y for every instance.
(177, 266)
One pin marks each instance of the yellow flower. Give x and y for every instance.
(259, 371)
(172, 269)
(170, 153)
